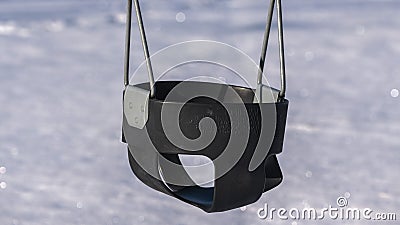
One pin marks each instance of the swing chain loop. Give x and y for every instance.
(263, 51)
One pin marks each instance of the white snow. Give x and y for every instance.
(61, 66)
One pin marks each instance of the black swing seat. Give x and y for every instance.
(237, 187)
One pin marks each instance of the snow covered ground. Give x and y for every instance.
(61, 65)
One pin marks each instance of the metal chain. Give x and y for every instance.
(263, 51)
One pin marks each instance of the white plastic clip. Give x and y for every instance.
(136, 103)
